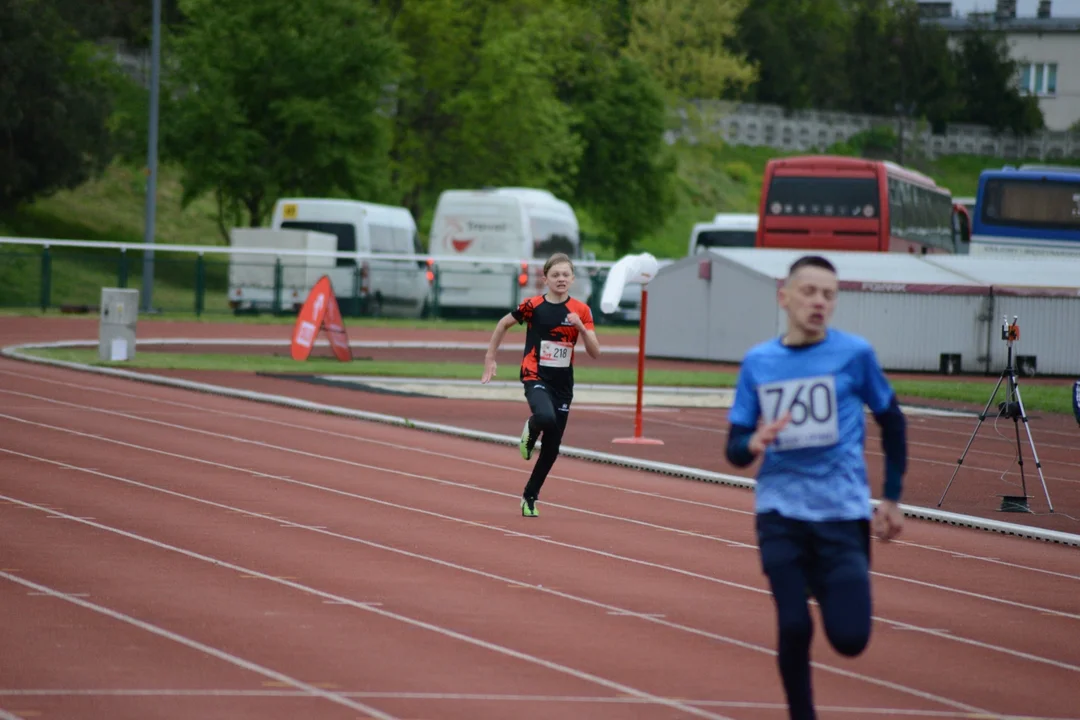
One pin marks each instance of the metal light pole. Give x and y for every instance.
(151, 163)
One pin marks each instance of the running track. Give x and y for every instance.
(172, 554)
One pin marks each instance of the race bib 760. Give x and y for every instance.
(812, 405)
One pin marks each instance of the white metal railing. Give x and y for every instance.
(284, 252)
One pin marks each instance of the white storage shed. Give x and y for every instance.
(939, 313)
(1043, 293)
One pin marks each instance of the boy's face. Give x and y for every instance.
(809, 297)
(559, 277)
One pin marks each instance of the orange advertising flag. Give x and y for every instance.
(310, 319)
(335, 329)
(320, 312)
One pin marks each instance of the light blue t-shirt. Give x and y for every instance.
(816, 469)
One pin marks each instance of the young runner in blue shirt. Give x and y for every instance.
(799, 403)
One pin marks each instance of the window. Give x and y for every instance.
(920, 214)
(725, 238)
(1053, 205)
(1038, 78)
(823, 196)
(552, 236)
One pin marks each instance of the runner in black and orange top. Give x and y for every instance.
(555, 321)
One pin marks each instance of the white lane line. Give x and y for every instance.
(623, 519)
(952, 637)
(516, 469)
(195, 644)
(517, 583)
(499, 698)
(446, 632)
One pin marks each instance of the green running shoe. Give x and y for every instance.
(528, 508)
(527, 443)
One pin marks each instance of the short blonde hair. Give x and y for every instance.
(557, 259)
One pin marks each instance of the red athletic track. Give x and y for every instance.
(227, 559)
(692, 437)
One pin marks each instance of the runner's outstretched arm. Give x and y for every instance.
(504, 324)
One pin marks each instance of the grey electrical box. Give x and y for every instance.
(116, 332)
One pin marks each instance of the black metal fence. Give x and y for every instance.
(71, 278)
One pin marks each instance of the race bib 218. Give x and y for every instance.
(555, 354)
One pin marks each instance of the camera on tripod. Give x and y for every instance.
(1013, 409)
(1010, 332)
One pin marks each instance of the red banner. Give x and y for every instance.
(335, 329)
(320, 311)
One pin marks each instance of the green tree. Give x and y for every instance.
(478, 103)
(896, 63)
(684, 45)
(126, 20)
(798, 49)
(927, 69)
(625, 178)
(986, 75)
(266, 100)
(55, 98)
(530, 93)
(626, 173)
(873, 76)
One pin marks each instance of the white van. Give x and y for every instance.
(386, 287)
(518, 224)
(725, 230)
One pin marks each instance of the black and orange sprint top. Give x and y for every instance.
(550, 340)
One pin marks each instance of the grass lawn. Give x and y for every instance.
(484, 325)
(329, 365)
(1037, 398)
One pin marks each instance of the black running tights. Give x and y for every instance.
(548, 422)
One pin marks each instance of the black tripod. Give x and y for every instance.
(1012, 408)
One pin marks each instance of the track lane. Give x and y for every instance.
(976, 490)
(113, 389)
(329, 447)
(336, 628)
(503, 451)
(621, 620)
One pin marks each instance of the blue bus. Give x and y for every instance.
(1033, 210)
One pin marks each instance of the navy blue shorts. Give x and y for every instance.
(822, 550)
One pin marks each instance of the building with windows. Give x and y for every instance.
(1047, 49)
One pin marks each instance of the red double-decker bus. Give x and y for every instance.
(825, 202)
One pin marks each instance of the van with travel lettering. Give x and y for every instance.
(483, 240)
(391, 286)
